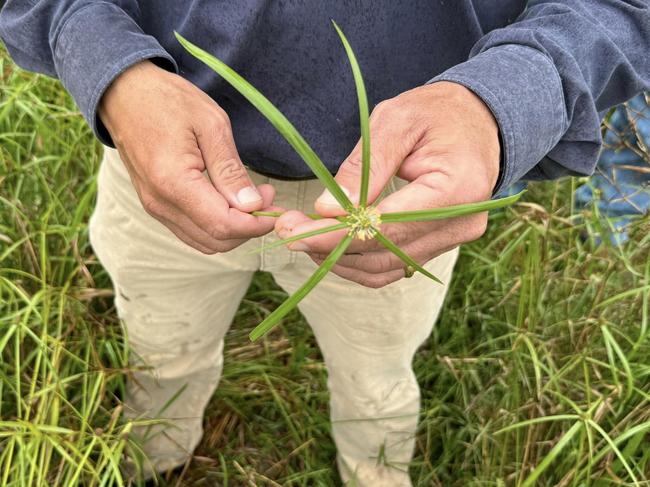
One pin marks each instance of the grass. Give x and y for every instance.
(536, 374)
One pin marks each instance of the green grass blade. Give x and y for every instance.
(552, 455)
(277, 214)
(449, 211)
(614, 448)
(609, 339)
(407, 259)
(279, 313)
(363, 117)
(300, 236)
(277, 119)
(543, 419)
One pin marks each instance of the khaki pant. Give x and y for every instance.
(178, 303)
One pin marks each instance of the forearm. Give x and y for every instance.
(84, 43)
(547, 76)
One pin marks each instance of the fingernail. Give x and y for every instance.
(298, 247)
(327, 198)
(248, 195)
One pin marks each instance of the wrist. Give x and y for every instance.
(481, 123)
(523, 88)
(123, 90)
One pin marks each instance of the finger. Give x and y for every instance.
(431, 191)
(224, 166)
(209, 244)
(392, 142)
(435, 189)
(294, 223)
(185, 238)
(210, 247)
(382, 261)
(206, 207)
(268, 195)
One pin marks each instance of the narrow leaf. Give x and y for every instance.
(407, 259)
(277, 119)
(543, 419)
(363, 117)
(281, 311)
(300, 236)
(277, 214)
(552, 455)
(614, 448)
(449, 211)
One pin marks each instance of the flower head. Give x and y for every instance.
(363, 222)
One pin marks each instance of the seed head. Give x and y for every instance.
(363, 222)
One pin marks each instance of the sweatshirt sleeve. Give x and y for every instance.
(549, 75)
(84, 43)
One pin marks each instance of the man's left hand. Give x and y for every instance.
(444, 141)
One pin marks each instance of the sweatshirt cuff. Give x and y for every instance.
(96, 44)
(522, 88)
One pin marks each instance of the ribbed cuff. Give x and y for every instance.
(522, 88)
(97, 43)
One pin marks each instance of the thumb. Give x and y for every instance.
(226, 170)
(388, 149)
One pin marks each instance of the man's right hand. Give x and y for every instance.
(168, 132)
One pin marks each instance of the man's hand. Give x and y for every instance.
(444, 141)
(168, 132)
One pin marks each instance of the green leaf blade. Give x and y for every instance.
(281, 311)
(407, 259)
(273, 115)
(300, 236)
(552, 455)
(449, 211)
(363, 117)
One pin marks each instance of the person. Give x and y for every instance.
(471, 96)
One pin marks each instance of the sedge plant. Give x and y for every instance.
(362, 220)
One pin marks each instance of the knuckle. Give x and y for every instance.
(208, 250)
(221, 119)
(218, 131)
(476, 229)
(219, 232)
(228, 246)
(161, 184)
(377, 264)
(215, 249)
(371, 281)
(385, 263)
(382, 108)
(230, 171)
(151, 205)
(354, 164)
(377, 282)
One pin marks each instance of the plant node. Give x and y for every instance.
(363, 223)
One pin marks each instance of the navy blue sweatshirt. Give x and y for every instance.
(546, 70)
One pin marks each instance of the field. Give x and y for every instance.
(536, 374)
